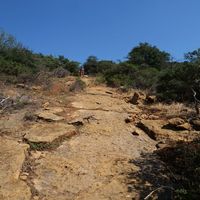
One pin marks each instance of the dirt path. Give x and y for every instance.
(104, 160)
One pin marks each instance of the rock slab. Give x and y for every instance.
(12, 156)
(49, 132)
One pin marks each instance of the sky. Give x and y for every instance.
(108, 29)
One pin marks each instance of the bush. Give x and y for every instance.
(100, 79)
(15, 59)
(120, 75)
(146, 78)
(184, 160)
(176, 83)
(128, 75)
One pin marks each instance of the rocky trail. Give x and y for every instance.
(80, 147)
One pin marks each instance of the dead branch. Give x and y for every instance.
(4, 100)
(162, 187)
(91, 117)
(196, 101)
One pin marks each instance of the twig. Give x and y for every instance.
(4, 100)
(2, 110)
(196, 101)
(151, 193)
(194, 95)
(90, 117)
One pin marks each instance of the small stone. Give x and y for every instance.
(25, 174)
(46, 104)
(161, 145)
(36, 154)
(135, 133)
(153, 117)
(35, 198)
(108, 92)
(21, 85)
(129, 119)
(176, 121)
(144, 116)
(23, 177)
(36, 88)
(150, 99)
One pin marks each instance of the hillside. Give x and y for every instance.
(95, 143)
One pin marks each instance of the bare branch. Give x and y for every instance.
(196, 101)
(4, 100)
(162, 187)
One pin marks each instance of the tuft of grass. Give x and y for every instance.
(39, 146)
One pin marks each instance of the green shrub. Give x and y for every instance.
(121, 74)
(146, 78)
(176, 83)
(183, 160)
(100, 79)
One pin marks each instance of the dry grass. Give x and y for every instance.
(77, 86)
(59, 86)
(172, 110)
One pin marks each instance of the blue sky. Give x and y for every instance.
(108, 29)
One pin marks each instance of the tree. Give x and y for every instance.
(193, 56)
(91, 65)
(8, 41)
(148, 55)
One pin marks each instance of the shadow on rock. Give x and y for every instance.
(150, 180)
